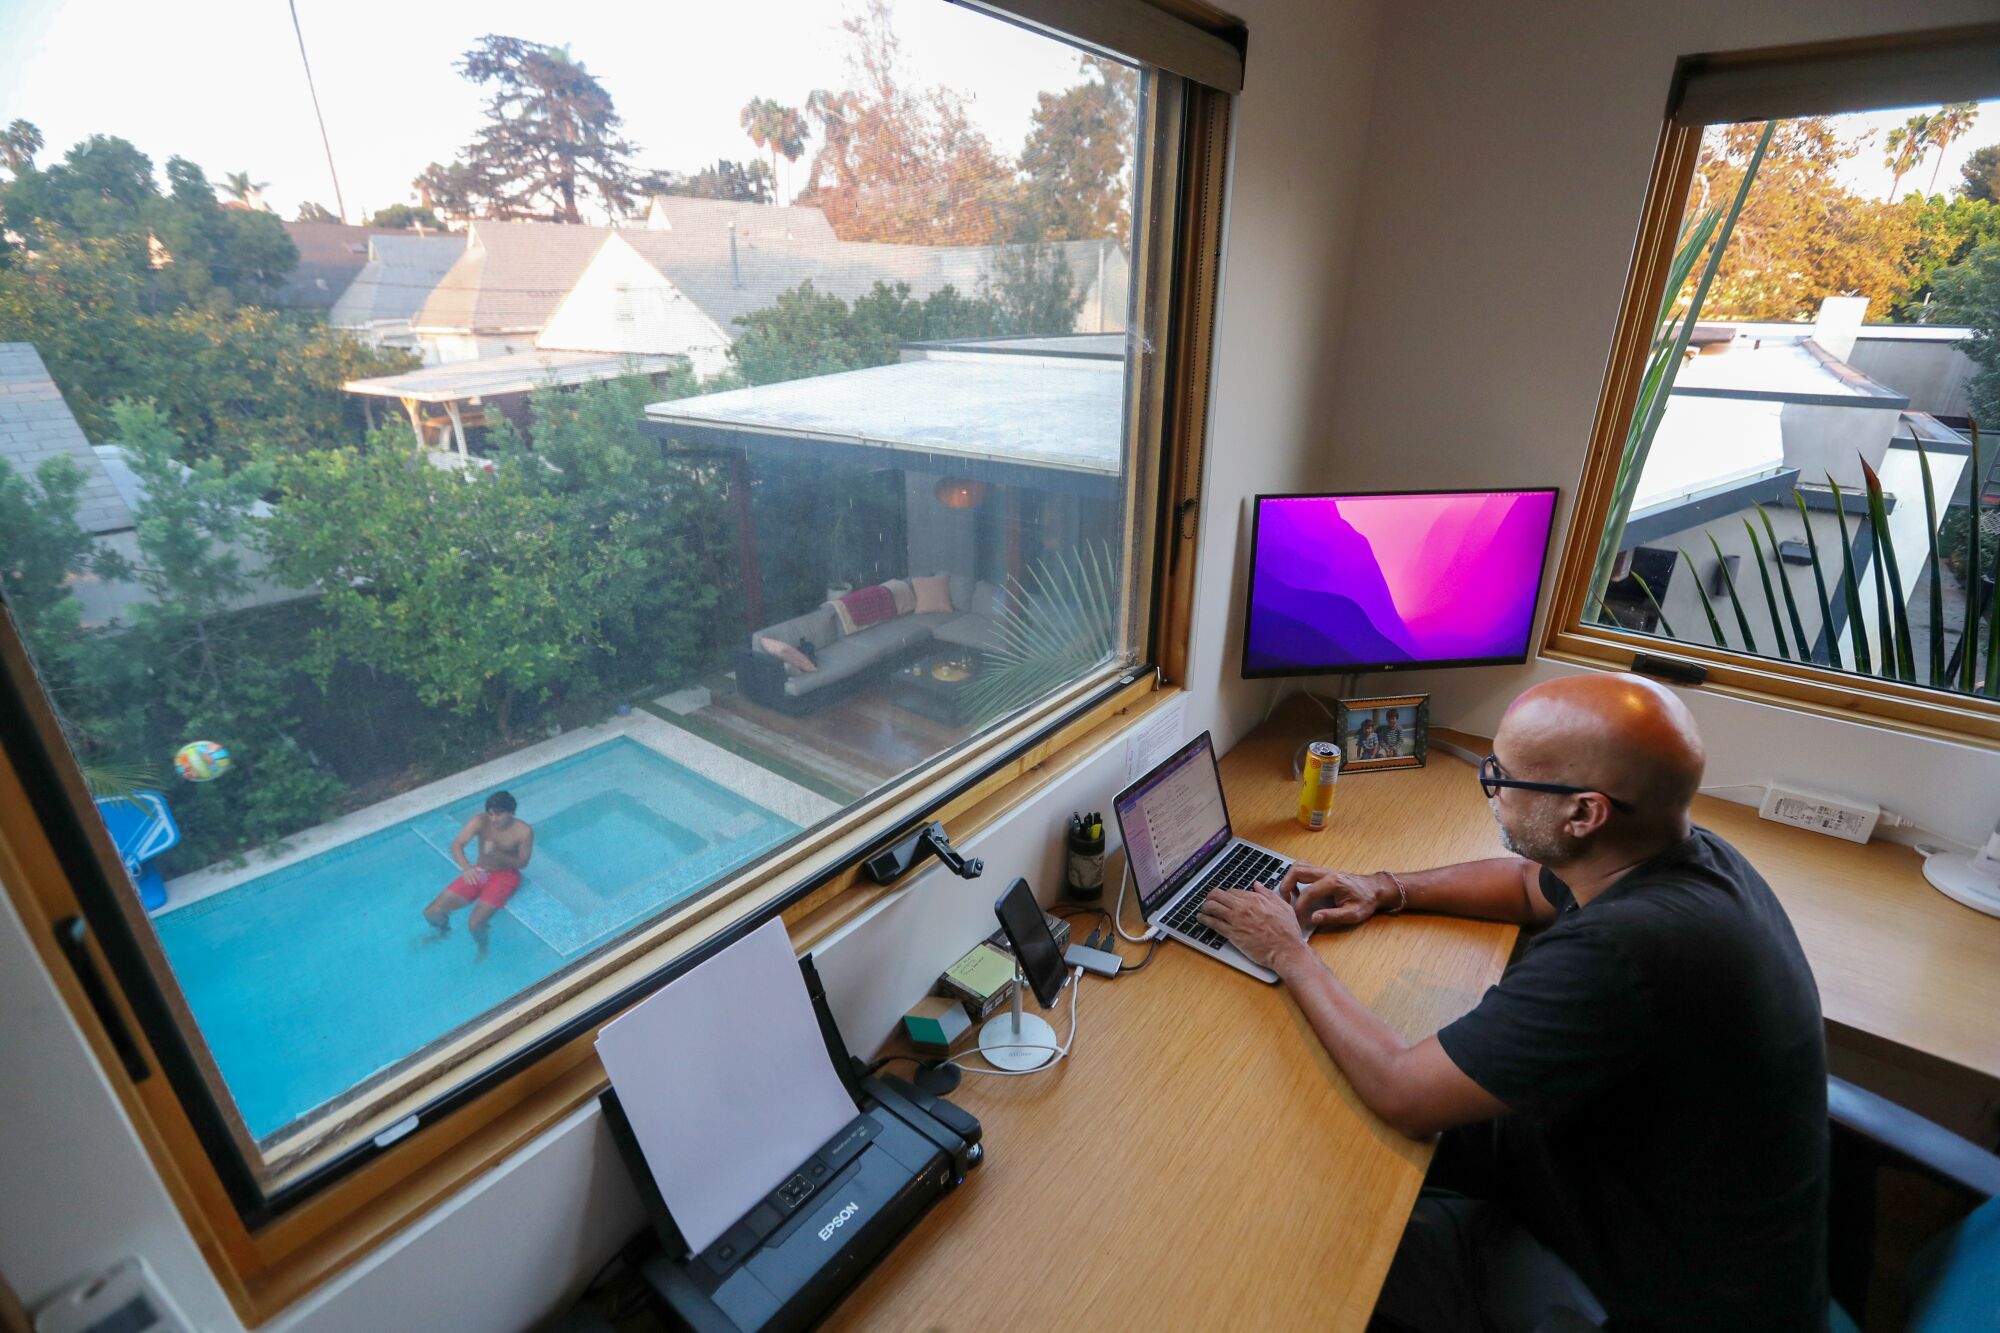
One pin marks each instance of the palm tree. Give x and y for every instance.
(1949, 124)
(777, 129)
(1907, 144)
(19, 145)
(241, 188)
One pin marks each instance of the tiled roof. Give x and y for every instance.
(401, 272)
(511, 276)
(330, 255)
(35, 425)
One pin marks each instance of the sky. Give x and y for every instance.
(220, 82)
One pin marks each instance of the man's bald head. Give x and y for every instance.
(1620, 734)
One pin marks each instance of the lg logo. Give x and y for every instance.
(839, 1221)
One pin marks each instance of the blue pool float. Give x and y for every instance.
(142, 828)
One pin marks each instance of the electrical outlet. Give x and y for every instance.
(1835, 816)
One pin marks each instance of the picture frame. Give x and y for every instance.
(1388, 732)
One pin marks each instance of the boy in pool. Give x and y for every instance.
(505, 844)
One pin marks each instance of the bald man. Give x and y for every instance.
(1637, 1112)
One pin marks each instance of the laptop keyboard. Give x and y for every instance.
(1242, 867)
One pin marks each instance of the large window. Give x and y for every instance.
(1790, 467)
(487, 498)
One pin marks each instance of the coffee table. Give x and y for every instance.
(936, 685)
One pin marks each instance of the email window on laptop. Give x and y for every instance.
(1172, 822)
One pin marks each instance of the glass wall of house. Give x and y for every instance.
(458, 530)
(1803, 478)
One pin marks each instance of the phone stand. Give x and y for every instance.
(1017, 1040)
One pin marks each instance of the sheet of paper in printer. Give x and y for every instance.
(726, 1081)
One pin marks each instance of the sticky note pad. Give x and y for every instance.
(983, 971)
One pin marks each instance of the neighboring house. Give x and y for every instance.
(36, 425)
(538, 303)
(501, 289)
(331, 255)
(402, 270)
(1773, 410)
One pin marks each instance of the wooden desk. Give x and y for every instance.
(1198, 1162)
(1897, 962)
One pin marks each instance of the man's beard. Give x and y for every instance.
(1539, 838)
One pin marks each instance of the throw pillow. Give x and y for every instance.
(933, 594)
(842, 616)
(794, 660)
(866, 606)
(905, 595)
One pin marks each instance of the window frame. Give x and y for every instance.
(268, 1248)
(1567, 634)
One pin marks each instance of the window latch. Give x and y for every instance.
(900, 858)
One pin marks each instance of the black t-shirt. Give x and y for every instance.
(1662, 1051)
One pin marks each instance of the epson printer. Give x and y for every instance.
(788, 1261)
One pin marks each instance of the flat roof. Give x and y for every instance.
(1790, 368)
(516, 372)
(1000, 416)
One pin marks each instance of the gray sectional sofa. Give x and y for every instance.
(848, 662)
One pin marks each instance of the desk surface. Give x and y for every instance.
(1198, 1162)
(1895, 959)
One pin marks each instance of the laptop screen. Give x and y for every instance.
(1172, 821)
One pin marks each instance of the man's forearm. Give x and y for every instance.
(1365, 1048)
(1495, 890)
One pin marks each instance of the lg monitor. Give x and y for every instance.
(1388, 581)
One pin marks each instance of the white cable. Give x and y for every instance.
(1322, 704)
(1737, 786)
(1075, 995)
(1118, 912)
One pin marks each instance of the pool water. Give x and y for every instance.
(307, 980)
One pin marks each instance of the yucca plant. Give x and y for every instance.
(1055, 627)
(1895, 642)
(1709, 232)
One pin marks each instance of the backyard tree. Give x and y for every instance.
(225, 380)
(1981, 172)
(657, 521)
(19, 143)
(469, 585)
(454, 192)
(902, 166)
(41, 546)
(551, 133)
(775, 128)
(1076, 159)
(1947, 231)
(748, 183)
(405, 217)
(1969, 293)
(314, 211)
(187, 664)
(1803, 235)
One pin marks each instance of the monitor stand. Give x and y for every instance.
(1015, 1040)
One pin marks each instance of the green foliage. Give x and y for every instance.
(472, 586)
(226, 380)
(657, 519)
(44, 545)
(1969, 293)
(188, 666)
(808, 332)
(404, 216)
(1947, 231)
(745, 183)
(104, 190)
(312, 211)
(1076, 159)
(1981, 173)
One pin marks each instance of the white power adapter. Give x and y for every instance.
(1835, 816)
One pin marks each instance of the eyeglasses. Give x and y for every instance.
(1491, 782)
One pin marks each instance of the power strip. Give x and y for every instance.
(1835, 816)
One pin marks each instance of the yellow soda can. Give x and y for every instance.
(1322, 770)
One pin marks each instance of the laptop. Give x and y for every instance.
(1179, 847)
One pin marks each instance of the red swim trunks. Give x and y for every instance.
(498, 888)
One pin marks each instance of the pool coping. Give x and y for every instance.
(743, 777)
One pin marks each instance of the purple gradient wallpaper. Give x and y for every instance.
(1372, 580)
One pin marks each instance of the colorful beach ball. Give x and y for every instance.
(200, 761)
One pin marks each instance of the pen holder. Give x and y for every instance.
(1085, 877)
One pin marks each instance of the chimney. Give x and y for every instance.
(735, 274)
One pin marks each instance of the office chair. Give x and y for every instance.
(1954, 1283)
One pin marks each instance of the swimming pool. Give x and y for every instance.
(307, 980)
